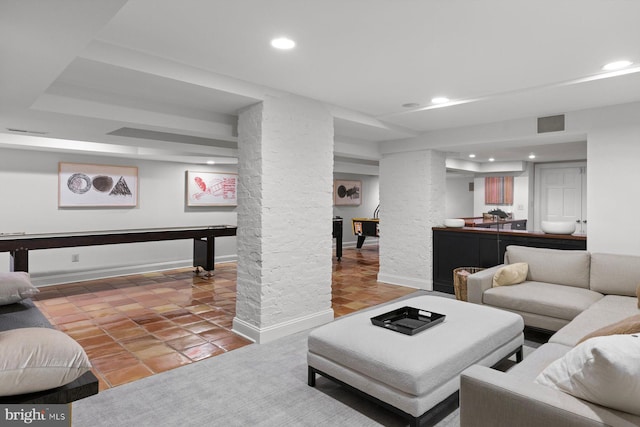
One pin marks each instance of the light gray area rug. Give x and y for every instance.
(257, 385)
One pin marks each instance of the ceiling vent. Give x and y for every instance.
(551, 124)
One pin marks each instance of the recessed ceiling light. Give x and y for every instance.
(491, 159)
(211, 162)
(472, 156)
(283, 43)
(439, 100)
(617, 65)
(411, 105)
(532, 156)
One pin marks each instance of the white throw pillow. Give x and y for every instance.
(36, 359)
(602, 370)
(15, 286)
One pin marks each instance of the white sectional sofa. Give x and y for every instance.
(574, 293)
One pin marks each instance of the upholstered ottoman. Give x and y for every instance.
(414, 375)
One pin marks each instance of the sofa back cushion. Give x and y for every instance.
(615, 274)
(562, 267)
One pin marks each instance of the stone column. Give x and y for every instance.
(412, 200)
(285, 163)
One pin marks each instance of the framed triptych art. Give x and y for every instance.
(90, 185)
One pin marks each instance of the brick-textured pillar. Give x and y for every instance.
(285, 163)
(412, 200)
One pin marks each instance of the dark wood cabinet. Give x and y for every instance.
(469, 247)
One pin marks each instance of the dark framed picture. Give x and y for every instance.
(347, 193)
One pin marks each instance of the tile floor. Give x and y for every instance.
(135, 326)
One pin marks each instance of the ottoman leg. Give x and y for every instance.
(311, 377)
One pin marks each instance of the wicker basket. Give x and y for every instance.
(460, 275)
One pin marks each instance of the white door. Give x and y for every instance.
(561, 193)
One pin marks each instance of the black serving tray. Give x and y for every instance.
(408, 320)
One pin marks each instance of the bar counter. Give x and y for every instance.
(503, 224)
(485, 247)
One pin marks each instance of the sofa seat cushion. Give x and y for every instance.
(610, 309)
(562, 302)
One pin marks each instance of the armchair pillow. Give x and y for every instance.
(36, 359)
(511, 274)
(602, 370)
(15, 286)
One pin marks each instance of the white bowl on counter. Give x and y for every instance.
(558, 227)
(454, 222)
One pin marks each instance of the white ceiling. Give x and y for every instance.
(81, 71)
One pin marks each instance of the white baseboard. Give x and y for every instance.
(270, 333)
(41, 280)
(411, 282)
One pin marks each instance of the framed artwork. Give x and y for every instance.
(347, 193)
(89, 185)
(498, 190)
(212, 189)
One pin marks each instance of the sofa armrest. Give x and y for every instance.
(479, 282)
(490, 398)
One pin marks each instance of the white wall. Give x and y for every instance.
(458, 198)
(29, 197)
(370, 198)
(613, 198)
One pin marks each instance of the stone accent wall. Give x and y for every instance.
(412, 200)
(284, 239)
